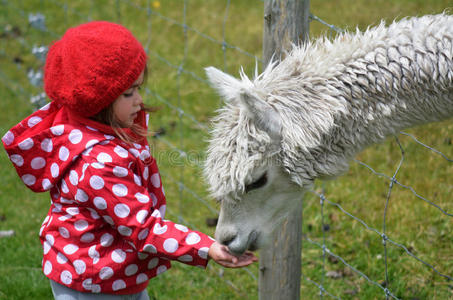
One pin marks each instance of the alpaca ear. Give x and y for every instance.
(226, 85)
(264, 115)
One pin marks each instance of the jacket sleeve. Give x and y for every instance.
(120, 197)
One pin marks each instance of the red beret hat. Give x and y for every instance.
(92, 65)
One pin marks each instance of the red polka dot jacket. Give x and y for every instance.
(105, 231)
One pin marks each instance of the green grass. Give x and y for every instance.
(410, 221)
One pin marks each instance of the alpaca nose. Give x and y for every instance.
(225, 236)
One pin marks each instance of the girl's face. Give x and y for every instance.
(126, 106)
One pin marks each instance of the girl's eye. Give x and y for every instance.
(128, 94)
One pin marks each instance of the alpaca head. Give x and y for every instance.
(244, 165)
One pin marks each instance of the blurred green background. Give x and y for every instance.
(228, 34)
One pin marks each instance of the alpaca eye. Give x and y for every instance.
(256, 184)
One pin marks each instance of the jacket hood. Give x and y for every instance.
(43, 146)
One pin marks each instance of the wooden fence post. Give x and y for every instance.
(285, 22)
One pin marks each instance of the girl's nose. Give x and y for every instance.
(139, 99)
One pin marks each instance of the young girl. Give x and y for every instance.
(105, 231)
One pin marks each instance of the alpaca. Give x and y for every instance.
(305, 117)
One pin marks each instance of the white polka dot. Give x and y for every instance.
(61, 259)
(72, 211)
(185, 258)
(100, 203)
(154, 197)
(98, 165)
(17, 160)
(171, 245)
(104, 158)
(105, 273)
(81, 196)
(153, 263)
(80, 225)
(94, 254)
(46, 184)
(64, 232)
(75, 136)
(131, 270)
(118, 285)
(47, 145)
(57, 207)
(203, 252)
(161, 269)
(47, 267)
(50, 239)
(106, 240)
(87, 237)
(64, 218)
(121, 210)
(38, 163)
(54, 170)
(66, 277)
(120, 171)
(64, 187)
(63, 153)
(150, 248)
(26, 144)
(79, 266)
(46, 247)
(134, 152)
(146, 173)
(124, 230)
(45, 107)
(87, 284)
(108, 219)
(162, 209)
(155, 180)
(70, 249)
(118, 256)
(57, 130)
(137, 180)
(121, 152)
(8, 138)
(141, 216)
(156, 214)
(95, 288)
(144, 155)
(33, 121)
(141, 278)
(73, 177)
(181, 227)
(142, 255)
(90, 143)
(143, 234)
(93, 213)
(96, 182)
(158, 229)
(91, 128)
(119, 190)
(28, 179)
(142, 198)
(193, 238)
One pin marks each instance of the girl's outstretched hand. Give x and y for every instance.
(220, 254)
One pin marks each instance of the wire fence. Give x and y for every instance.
(183, 70)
